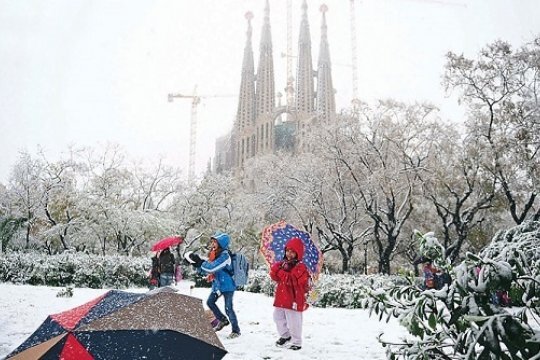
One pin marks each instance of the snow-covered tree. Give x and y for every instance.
(25, 194)
(383, 157)
(462, 321)
(458, 189)
(501, 90)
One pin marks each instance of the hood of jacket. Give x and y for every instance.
(298, 247)
(223, 240)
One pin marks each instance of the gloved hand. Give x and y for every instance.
(197, 261)
(193, 259)
(288, 265)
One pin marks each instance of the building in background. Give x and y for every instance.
(259, 127)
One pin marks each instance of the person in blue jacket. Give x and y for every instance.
(220, 266)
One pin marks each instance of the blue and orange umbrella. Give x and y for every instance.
(276, 236)
(159, 324)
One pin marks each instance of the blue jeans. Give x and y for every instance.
(165, 279)
(228, 296)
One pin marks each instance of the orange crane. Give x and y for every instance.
(195, 101)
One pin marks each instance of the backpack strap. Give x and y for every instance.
(230, 272)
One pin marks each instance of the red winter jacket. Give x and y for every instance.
(291, 284)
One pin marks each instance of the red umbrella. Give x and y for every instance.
(167, 242)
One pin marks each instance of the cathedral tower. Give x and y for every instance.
(254, 132)
(304, 72)
(326, 103)
(265, 90)
(243, 138)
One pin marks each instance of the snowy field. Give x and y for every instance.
(328, 333)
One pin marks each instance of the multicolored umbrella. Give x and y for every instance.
(276, 236)
(160, 324)
(167, 242)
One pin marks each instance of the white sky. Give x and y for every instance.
(88, 72)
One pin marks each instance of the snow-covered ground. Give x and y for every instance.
(328, 333)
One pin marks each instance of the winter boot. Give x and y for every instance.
(214, 323)
(282, 341)
(221, 324)
(233, 335)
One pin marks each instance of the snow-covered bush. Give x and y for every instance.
(340, 291)
(346, 291)
(65, 292)
(461, 321)
(74, 269)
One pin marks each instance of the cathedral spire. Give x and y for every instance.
(326, 103)
(245, 115)
(304, 72)
(265, 92)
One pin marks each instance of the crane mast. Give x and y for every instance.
(290, 79)
(354, 60)
(195, 101)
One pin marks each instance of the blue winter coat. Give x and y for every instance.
(222, 269)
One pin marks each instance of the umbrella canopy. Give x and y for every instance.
(276, 236)
(167, 242)
(159, 324)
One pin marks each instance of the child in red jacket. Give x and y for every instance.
(292, 279)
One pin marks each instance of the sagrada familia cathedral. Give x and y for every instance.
(258, 128)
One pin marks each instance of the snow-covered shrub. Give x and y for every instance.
(74, 269)
(462, 321)
(431, 248)
(66, 292)
(520, 248)
(340, 291)
(346, 291)
(259, 282)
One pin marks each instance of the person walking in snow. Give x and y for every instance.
(220, 270)
(292, 279)
(166, 268)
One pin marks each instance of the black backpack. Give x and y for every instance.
(166, 263)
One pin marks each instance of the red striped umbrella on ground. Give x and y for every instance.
(160, 324)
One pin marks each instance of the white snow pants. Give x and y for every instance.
(289, 324)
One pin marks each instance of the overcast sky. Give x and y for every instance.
(88, 72)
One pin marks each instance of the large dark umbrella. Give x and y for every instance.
(167, 242)
(159, 324)
(276, 236)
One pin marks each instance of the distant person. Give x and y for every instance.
(166, 268)
(154, 273)
(496, 297)
(430, 274)
(220, 273)
(292, 279)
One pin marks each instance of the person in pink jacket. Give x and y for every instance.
(292, 279)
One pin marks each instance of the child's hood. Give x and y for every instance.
(297, 246)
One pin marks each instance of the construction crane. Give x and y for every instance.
(355, 101)
(195, 101)
(290, 79)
